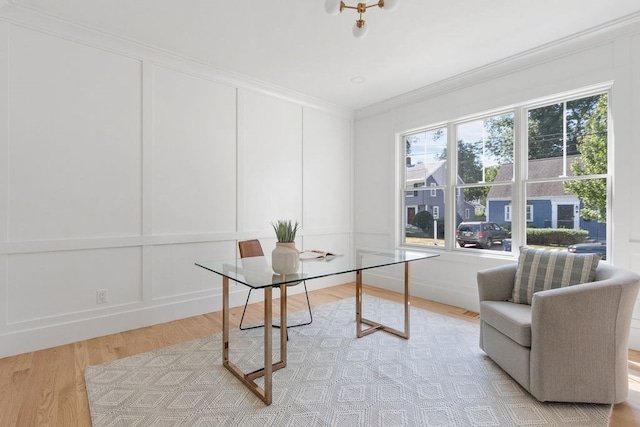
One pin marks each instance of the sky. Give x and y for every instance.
(428, 145)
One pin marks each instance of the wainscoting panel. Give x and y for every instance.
(175, 273)
(326, 173)
(74, 140)
(337, 242)
(194, 154)
(123, 166)
(374, 240)
(634, 261)
(270, 161)
(55, 285)
(3, 292)
(373, 174)
(4, 133)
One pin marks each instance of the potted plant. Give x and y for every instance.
(285, 258)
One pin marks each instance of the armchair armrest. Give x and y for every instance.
(496, 284)
(581, 331)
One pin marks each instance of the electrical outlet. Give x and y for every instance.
(101, 296)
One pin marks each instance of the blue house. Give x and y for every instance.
(432, 174)
(549, 204)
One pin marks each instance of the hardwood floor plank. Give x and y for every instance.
(81, 415)
(46, 388)
(48, 367)
(28, 386)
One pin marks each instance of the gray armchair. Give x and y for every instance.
(570, 344)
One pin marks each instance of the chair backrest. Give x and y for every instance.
(250, 248)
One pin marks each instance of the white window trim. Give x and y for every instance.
(520, 179)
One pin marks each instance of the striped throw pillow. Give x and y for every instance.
(539, 270)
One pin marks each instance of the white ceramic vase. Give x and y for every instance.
(285, 258)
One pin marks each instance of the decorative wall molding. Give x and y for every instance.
(161, 282)
(602, 34)
(19, 14)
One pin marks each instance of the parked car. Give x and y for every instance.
(589, 248)
(413, 231)
(480, 234)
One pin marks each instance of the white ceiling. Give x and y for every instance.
(295, 45)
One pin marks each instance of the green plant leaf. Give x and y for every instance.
(285, 230)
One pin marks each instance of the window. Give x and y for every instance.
(507, 213)
(482, 145)
(425, 154)
(556, 159)
(567, 169)
(529, 213)
(414, 193)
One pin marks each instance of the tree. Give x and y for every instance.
(409, 141)
(593, 150)
(469, 167)
(423, 220)
(491, 172)
(470, 170)
(545, 128)
(585, 134)
(499, 140)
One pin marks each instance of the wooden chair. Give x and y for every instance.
(252, 248)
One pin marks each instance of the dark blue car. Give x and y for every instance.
(589, 248)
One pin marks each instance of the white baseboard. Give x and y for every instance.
(133, 317)
(455, 296)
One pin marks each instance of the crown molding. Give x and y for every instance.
(599, 35)
(38, 20)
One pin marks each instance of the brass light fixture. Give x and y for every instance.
(359, 30)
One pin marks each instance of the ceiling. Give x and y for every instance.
(295, 45)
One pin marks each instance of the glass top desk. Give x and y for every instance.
(256, 272)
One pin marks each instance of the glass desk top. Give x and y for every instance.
(256, 272)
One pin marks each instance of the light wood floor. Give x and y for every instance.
(46, 388)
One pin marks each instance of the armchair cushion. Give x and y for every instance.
(513, 320)
(541, 270)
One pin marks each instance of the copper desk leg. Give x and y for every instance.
(265, 394)
(375, 326)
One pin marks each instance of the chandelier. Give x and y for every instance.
(359, 30)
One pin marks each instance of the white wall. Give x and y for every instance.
(609, 55)
(121, 166)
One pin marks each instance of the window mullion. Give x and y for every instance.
(452, 180)
(520, 157)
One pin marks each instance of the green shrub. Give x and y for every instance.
(423, 220)
(555, 236)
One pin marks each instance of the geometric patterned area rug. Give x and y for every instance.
(439, 377)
